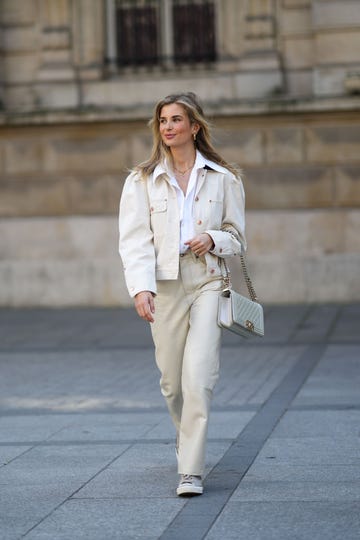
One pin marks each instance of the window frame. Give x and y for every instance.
(166, 52)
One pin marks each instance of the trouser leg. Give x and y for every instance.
(169, 332)
(187, 342)
(199, 375)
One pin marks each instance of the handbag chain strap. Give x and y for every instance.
(249, 285)
(227, 277)
(248, 281)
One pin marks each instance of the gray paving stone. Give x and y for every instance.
(307, 459)
(8, 453)
(110, 427)
(346, 328)
(23, 507)
(228, 424)
(22, 428)
(83, 385)
(115, 519)
(314, 423)
(72, 328)
(336, 380)
(262, 491)
(287, 520)
(222, 425)
(93, 381)
(286, 472)
(282, 322)
(164, 429)
(78, 381)
(140, 481)
(69, 466)
(311, 450)
(33, 485)
(228, 473)
(145, 470)
(250, 375)
(317, 324)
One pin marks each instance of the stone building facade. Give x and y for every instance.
(282, 87)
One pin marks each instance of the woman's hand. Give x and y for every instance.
(201, 244)
(144, 305)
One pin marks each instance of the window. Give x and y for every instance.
(160, 32)
(137, 25)
(194, 32)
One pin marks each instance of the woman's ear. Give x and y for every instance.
(195, 129)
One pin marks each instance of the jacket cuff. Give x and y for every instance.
(226, 245)
(136, 284)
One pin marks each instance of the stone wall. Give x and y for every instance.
(284, 96)
(61, 184)
(53, 53)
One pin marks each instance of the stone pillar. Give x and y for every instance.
(297, 45)
(56, 41)
(88, 30)
(167, 33)
(230, 30)
(110, 33)
(261, 39)
(56, 85)
(260, 73)
(72, 50)
(20, 53)
(336, 27)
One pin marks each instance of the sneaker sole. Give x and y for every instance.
(189, 490)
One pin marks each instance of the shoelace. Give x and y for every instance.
(187, 478)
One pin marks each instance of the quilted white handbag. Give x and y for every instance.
(241, 315)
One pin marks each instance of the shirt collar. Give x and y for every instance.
(201, 162)
(208, 164)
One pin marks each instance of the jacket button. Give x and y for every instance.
(151, 208)
(196, 198)
(212, 271)
(220, 250)
(199, 222)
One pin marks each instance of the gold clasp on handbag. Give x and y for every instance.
(249, 325)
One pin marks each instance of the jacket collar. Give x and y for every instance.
(201, 162)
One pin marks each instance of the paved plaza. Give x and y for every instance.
(87, 447)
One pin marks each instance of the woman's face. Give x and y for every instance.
(175, 127)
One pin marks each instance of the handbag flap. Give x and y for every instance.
(248, 313)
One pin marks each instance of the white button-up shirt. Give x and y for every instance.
(186, 201)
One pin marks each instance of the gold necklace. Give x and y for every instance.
(182, 173)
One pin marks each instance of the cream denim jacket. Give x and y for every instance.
(149, 224)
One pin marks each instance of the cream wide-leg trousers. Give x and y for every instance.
(187, 346)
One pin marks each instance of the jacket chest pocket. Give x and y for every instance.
(158, 214)
(215, 211)
(209, 203)
(208, 211)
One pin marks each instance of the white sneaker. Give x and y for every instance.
(190, 485)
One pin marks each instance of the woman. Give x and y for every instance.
(181, 213)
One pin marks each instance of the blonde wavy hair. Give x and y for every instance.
(191, 105)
